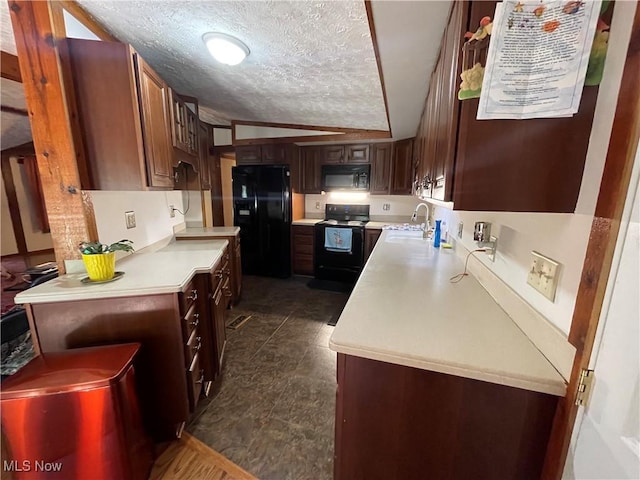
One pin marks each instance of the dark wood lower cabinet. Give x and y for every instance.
(371, 237)
(406, 423)
(302, 241)
(182, 336)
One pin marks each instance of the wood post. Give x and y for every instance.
(71, 218)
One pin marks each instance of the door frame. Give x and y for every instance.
(621, 153)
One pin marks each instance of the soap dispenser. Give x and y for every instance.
(436, 234)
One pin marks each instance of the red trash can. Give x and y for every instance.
(75, 415)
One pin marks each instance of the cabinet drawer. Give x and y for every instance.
(188, 296)
(302, 239)
(193, 346)
(190, 322)
(216, 276)
(195, 380)
(304, 249)
(303, 264)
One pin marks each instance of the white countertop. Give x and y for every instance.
(208, 232)
(306, 221)
(404, 310)
(167, 270)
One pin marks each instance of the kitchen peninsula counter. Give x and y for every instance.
(167, 270)
(405, 311)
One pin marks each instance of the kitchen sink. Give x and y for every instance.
(405, 237)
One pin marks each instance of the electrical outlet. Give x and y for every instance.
(386, 207)
(172, 211)
(543, 275)
(130, 219)
(317, 205)
(460, 225)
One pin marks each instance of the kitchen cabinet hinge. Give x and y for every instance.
(584, 387)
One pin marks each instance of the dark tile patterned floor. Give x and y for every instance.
(274, 412)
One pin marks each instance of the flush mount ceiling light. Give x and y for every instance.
(225, 48)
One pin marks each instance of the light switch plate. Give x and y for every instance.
(543, 275)
(130, 218)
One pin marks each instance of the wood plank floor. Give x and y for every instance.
(190, 459)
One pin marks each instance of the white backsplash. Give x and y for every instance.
(153, 222)
(401, 206)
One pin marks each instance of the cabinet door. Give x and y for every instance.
(275, 154)
(381, 168)
(402, 169)
(248, 154)
(205, 173)
(178, 122)
(302, 248)
(154, 103)
(192, 131)
(371, 237)
(332, 154)
(310, 163)
(449, 105)
(531, 165)
(219, 313)
(357, 153)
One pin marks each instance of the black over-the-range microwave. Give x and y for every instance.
(345, 178)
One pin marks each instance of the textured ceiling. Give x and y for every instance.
(311, 63)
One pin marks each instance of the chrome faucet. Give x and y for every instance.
(414, 217)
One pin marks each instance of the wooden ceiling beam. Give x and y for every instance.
(71, 217)
(85, 18)
(10, 67)
(376, 51)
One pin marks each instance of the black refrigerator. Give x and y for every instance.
(262, 210)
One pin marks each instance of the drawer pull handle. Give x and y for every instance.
(219, 273)
(196, 348)
(201, 379)
(227, 292)
(194, 295)
(196, 320)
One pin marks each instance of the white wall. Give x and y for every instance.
(153, 222)
(562, 237)
(8, 245)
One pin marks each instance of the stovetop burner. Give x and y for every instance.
(350, 223)
(351, 215)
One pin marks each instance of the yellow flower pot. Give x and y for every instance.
(100, 267)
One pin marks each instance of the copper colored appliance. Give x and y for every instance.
(75, 415)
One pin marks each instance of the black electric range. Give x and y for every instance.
(339, 243)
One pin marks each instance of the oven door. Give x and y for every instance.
(340, 264)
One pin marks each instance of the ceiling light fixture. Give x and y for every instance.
(225, 48)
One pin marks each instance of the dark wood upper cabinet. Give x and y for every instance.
(154, 100)
(531, 165)
(332, 154)
(520, 165)
(205, 134)
(270, 154)
(248, 154)
(276, 153)
(381, 154)
(402, 167)
(123, 108)
(357, 153)
(310, 165)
